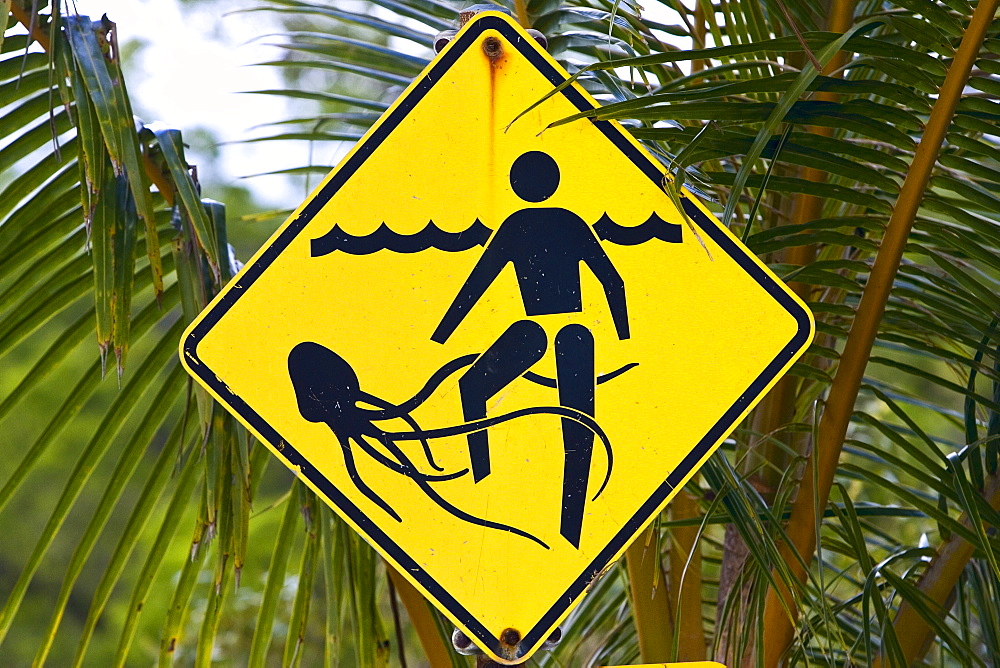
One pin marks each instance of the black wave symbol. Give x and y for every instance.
(383, 238)
(478, 234)
(654, 228)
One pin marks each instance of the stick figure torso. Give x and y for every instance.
(546, 246)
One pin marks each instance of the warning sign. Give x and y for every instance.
(497, 351)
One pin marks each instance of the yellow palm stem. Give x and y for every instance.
(685, 585)
(650, 602)
(25, 18)
(937, 582)
(813, 495)
(439, 655)
(521, 12)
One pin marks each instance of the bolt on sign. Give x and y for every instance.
(495, 349)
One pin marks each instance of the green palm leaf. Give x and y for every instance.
(809, 165)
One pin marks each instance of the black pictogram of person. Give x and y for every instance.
(546, 245)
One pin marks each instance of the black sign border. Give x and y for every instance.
(467, 39)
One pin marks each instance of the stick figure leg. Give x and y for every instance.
(517, 349)
(575, 377)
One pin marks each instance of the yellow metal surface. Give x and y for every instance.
(710, 329)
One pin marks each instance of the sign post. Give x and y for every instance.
(497, 349)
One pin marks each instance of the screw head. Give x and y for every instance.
(539, 37)
(462, 643)
(492, 47)
(510, 637)
(442, 38)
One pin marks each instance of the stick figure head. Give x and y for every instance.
(534, 176)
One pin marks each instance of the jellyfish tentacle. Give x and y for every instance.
(378, 456)
(406, 469)
(408, 406)
(457, 512)
(352, 472)
(472, 519)
(485, 423)
(545, 381)
(410, 420)
(327, 390)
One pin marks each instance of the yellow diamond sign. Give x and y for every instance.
(497, 351)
